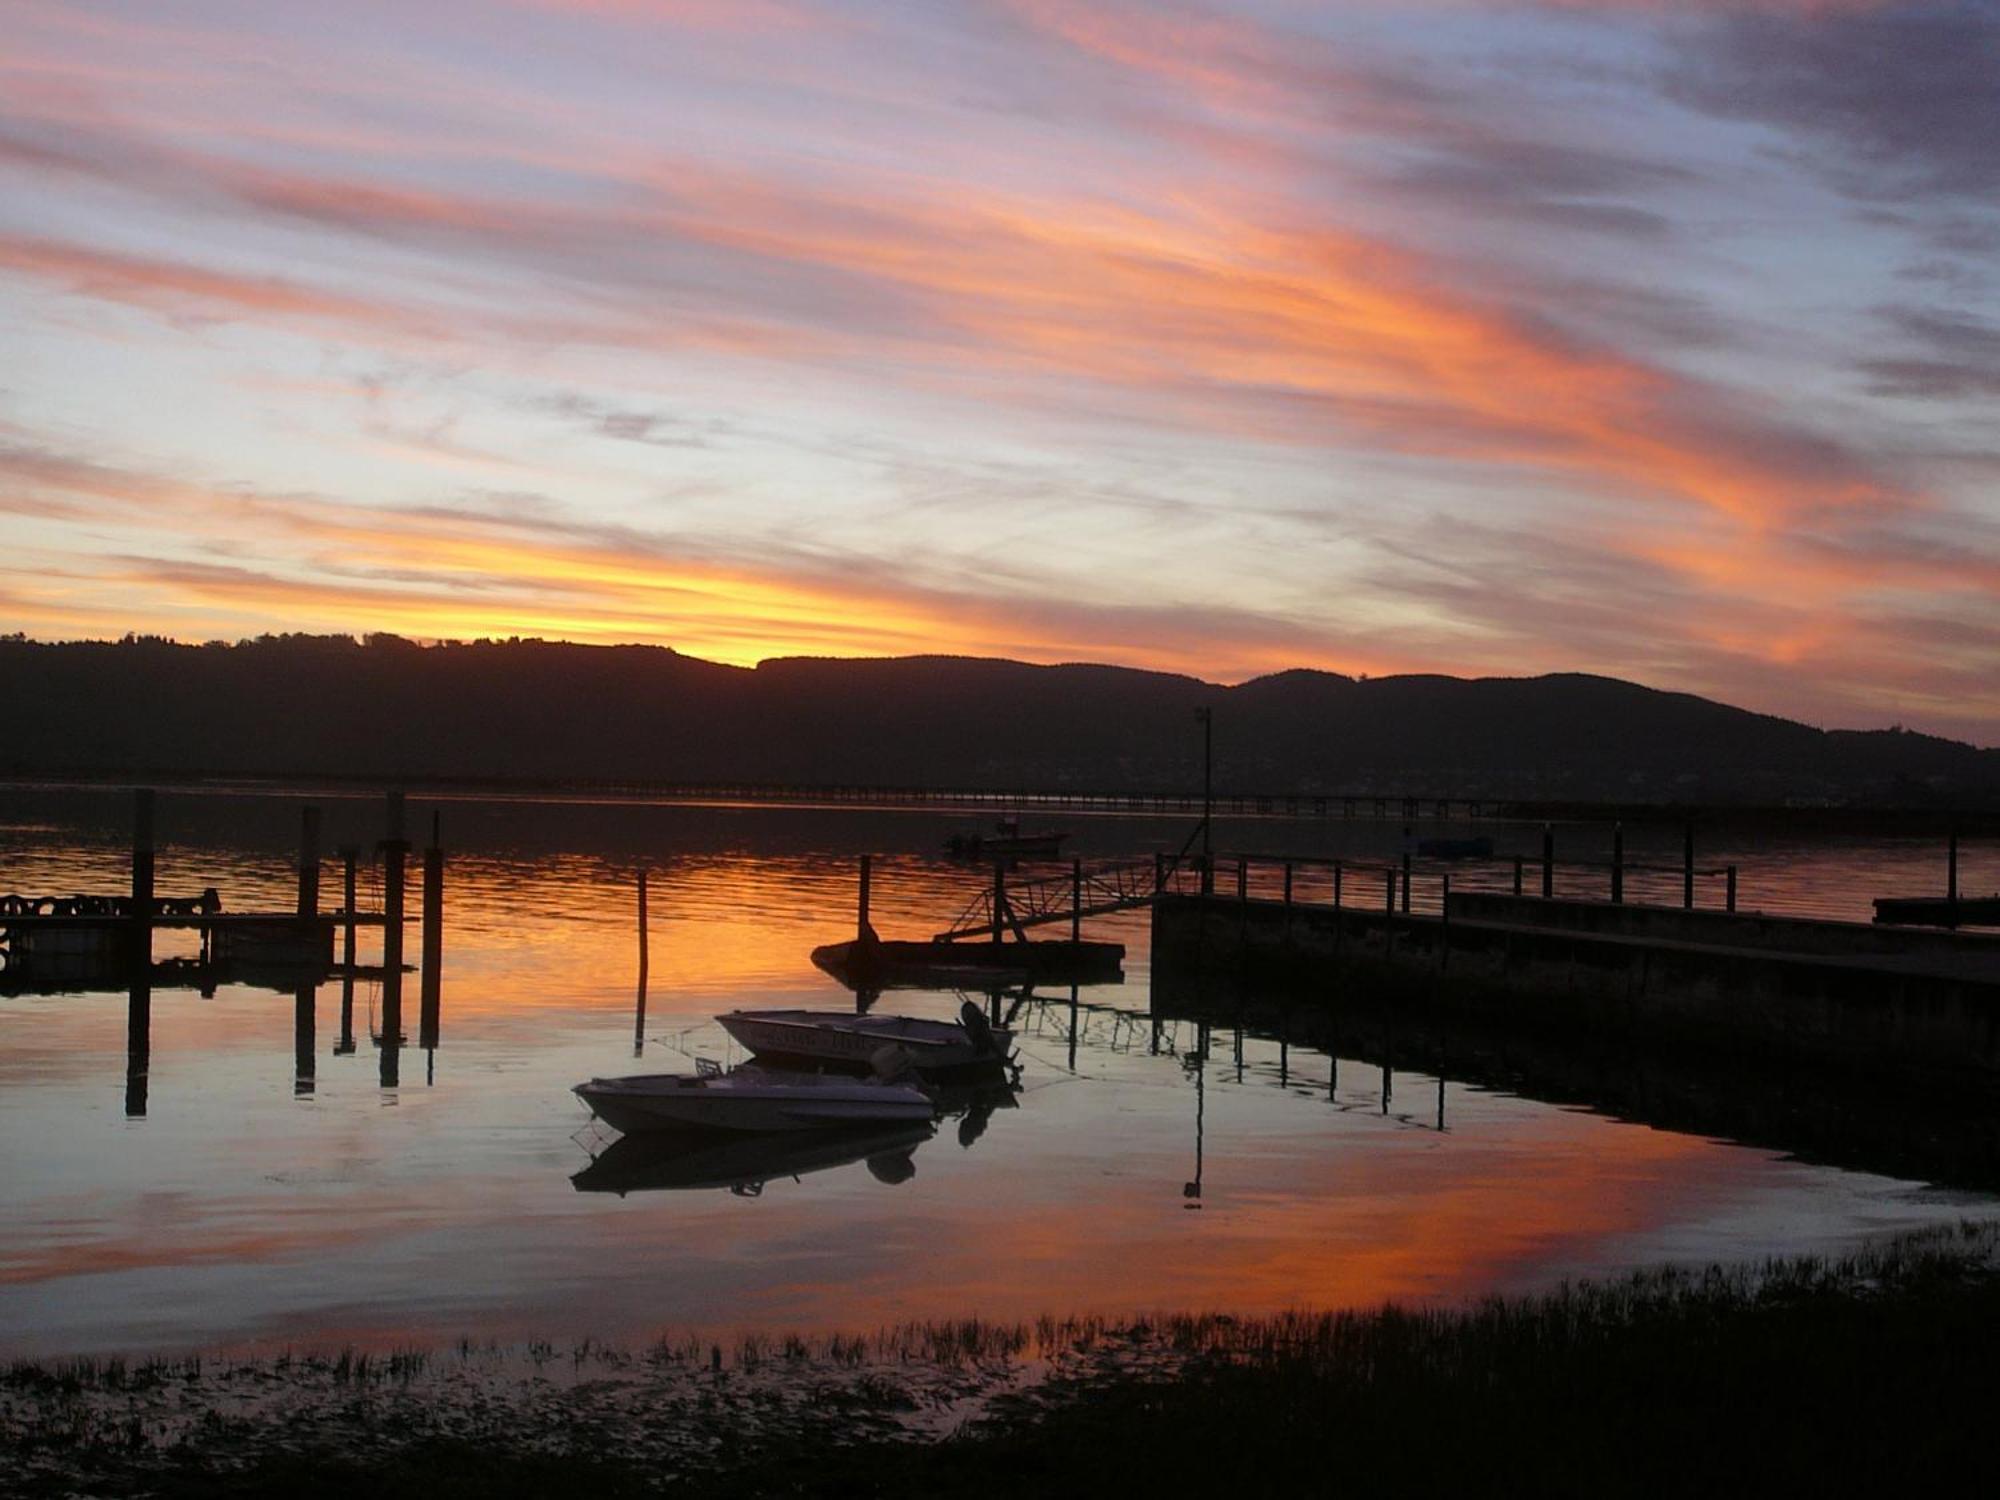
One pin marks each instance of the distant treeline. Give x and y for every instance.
(552, 712)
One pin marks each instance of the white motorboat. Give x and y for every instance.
(750, 1098)
(832, 1036)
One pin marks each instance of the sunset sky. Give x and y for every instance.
(1653, 339)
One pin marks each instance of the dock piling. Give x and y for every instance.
(142, 881)
(138, 1040)
(347, 857)
(308, 903)
(431, 994)
(1729, 899)
(1076, 900)
(639, 1008)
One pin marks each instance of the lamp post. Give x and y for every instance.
(1206, 718)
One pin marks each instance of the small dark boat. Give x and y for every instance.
(1007, 841)
(1938, 911)
(844, 1039)
(886, 964)
(1475, 848)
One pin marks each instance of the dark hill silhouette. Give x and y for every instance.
(547, 711)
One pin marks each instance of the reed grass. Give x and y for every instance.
(1873, 1367)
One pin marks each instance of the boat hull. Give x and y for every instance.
(853, 1041)
(970, 965)
(776, 1102)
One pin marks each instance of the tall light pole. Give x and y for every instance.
(1206, 718)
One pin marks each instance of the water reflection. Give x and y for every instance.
(744, 1164)
(257, 1189)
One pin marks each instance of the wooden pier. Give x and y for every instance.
(83, 943)
(1712, 977)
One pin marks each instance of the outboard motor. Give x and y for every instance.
(973, 1019)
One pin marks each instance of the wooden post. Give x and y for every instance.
(1617, 863)
(1517, 874)
(999, 898)
(308, 903)
(433, 946)
(1242, 877)
(1548, 861)
(142, 887)
(1444, 923)
(138, 1038)
(1159, 871)
(1288, 891)
(1731, 889)
(345, 1046)
(394, 851)
(305, 1022)
(348, 853)
(639, 1010)
(1336, 886)
(1687, 867)
(1406, 881)
(1076, 900)
(863, 933)
(1074, 1017)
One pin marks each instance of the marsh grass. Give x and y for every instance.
(1872, 1365)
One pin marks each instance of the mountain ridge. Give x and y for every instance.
(557, 711)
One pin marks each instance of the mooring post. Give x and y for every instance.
(138, 1039)
(1687, 867)
(345, 1046)
(347, 854)
(1548, 861)
(999, 898)
(1074, 1017)
(1076, 900)
(1406, 881)
(1159, 871)
(1242, 877)
(1730, 892)
(1517, 874)
(863, 933)
(308, 904)
(305, 1023)
(433, 944)
(639, 1009)
(1617, 863)
(1336, 886)
(1444, 922)
(1288, 893)
(142, 885)
(395, 850)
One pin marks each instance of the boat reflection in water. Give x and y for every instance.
(688, 1158)
(682, 1160)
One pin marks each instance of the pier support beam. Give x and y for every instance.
(142, 880)
(431, 994)
(639, 1006)
(308, 903)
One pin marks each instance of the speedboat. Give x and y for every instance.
(842, 1037)
(750, 1098)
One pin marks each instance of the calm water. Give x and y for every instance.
(276, 1193)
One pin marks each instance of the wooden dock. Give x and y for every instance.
(1869, 998)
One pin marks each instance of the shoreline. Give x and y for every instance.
(909, 1407)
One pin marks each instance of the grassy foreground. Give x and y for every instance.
(1875, 1370)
